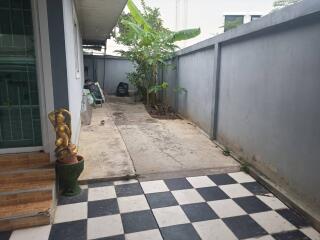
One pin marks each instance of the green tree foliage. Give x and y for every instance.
(149, 44)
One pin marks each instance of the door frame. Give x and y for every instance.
(44, 78)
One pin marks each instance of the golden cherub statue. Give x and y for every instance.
(66, 152)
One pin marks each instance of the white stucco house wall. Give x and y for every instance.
(45, 46)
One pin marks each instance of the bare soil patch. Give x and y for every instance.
(161, 111)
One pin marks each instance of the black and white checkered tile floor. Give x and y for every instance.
(218, 207)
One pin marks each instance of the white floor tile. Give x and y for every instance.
(311, 233)
(213, 229)
(241, 177)
(272, 202)
(187, 196)
(105, 226)
(100, 193)
(36, 233)
(150, 234)
(154, 186)
(200, 182)
(226, 208)
(261, 238)
(125, 182)
(235, 190)
(132, 203)
(272, 222)
(71, 212)
(169, 216)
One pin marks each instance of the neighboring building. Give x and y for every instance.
(209, 15)
(41, 69)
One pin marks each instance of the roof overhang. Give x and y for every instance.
(97, 18)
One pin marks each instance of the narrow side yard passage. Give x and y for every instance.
(158, 148)
(215, 207)
(103, 149)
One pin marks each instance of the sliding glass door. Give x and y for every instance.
(19, 101)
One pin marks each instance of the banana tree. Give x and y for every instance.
(150, 45)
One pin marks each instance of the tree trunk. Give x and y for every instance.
(154, 75)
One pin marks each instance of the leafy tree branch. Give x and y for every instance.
(150, 45)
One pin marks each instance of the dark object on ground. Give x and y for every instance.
(95, 91)
(68, 175)
(123, 89)
(226, 152)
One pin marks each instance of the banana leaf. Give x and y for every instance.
(186, 34)
(134, 27)
(137, 16)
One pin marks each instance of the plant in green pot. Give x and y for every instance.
(69, 164)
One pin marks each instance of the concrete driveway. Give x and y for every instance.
(131, 142)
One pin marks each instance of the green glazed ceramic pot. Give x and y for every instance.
(68, 175)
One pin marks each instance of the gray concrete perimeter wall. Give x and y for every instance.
(115, 71)
(256, 90)
(169, 74)
(269, 105)
(195, 74)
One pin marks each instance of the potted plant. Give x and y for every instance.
(69, 164)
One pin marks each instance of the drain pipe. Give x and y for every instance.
(93, 67)
(104, 67)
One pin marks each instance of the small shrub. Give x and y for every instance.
(226, 152)
(245, 167)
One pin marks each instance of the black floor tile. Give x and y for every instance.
(82, 197)
(5, 235)
(292, 235)
(180, 232)
(199, 212)
(212, 193)
(103, 208)
(118, 237)
(100, 184)
(252, 204)
(126, 190)
(163, 199)
(177, 184)
(76, 230)
(244, 227)
(255, 188)
(222, 179)
(138, 221)
(293, 217)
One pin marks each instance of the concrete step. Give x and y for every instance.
(25, 215)
(13, 162)
(25, 209)
(27, 183)
(27, 175)
(20, 186)
(26, 196)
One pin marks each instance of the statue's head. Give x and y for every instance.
(60, 118)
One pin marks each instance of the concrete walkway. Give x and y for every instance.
(106, 156)
(158, 148)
